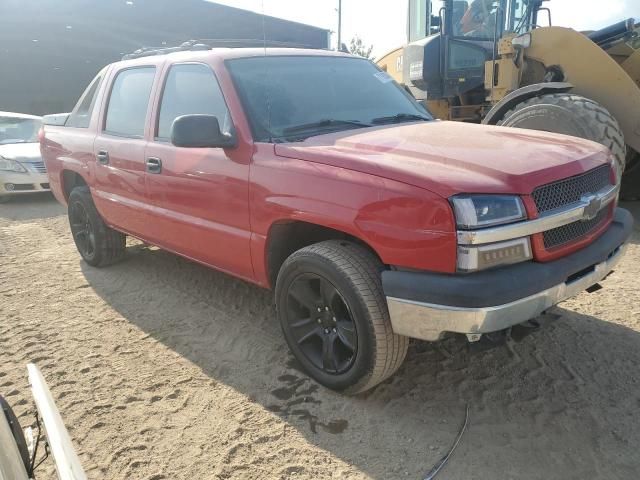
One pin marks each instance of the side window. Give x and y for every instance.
(191, 89)
(81, 114)
(127, 108)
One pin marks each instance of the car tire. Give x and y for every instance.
(334, 316)
(18, 434)
(98, 244)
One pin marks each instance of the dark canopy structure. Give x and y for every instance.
(51, 49)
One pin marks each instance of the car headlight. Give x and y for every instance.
(11, 165)
(477, 211)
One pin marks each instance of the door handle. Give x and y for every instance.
(154, 165)
(103, 157)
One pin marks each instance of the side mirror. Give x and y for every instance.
(200, 131)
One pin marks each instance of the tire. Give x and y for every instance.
(354, 320)
(18, 434)
(98, 244)
(630, 187)
(571, 115)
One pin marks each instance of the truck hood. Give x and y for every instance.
(21, 152)
(451, 157)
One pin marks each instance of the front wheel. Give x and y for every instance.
(334, 316)
(98, 244)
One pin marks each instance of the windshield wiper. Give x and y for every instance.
(400, 117)
(327, 122)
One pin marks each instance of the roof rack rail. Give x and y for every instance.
(209, 43)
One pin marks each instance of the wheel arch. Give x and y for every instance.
(498, 111)
(287, 236)
(69, 179)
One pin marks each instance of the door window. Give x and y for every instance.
(129, 100)
(191, 89)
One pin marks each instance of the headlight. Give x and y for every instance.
(522, 41)
(473, 211)
(11, 165)
(486, 256)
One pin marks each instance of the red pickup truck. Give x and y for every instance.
(314, 174)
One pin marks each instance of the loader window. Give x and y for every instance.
(417, 20)
(479, 20)
(518, 16)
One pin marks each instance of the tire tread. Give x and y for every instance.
(363, 268)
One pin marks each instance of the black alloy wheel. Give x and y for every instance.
(82, 230)
(321, 323)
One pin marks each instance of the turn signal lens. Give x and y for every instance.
(495, 254)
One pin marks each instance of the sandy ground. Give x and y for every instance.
(165, 369)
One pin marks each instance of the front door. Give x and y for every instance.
(119, 187)
(200, 195)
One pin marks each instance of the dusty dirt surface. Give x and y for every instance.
(165, 369)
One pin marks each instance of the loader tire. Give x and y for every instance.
(570, 115)
(630, 188)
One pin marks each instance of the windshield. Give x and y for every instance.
(476, 19)
(293, 97)
(18, 130)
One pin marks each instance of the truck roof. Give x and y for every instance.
(231, 53)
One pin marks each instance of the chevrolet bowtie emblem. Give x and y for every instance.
(593, 207)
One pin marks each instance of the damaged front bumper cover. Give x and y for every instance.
(426, 305)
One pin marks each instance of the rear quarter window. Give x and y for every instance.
(81, 115)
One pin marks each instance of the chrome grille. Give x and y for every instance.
(564, 192)
(38, 167)
(572, 231)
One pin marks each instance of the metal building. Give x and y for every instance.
(50, 49)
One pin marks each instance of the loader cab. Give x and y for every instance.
(449, 42)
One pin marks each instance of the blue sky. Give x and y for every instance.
(382, 23)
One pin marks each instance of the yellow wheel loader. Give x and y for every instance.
(490, 61)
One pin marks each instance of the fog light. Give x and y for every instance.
(9, 187)
(487, 256)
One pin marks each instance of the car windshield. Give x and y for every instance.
(289, 98)
(18, 130)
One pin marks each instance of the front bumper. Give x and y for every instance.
(426, 305)
(16, 183)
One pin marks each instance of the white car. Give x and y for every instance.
(21, 167)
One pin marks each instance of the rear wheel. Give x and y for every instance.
(334, 316)
(571, 115)
(98, 244)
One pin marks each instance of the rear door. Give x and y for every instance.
(200, 195)
(119, 186)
